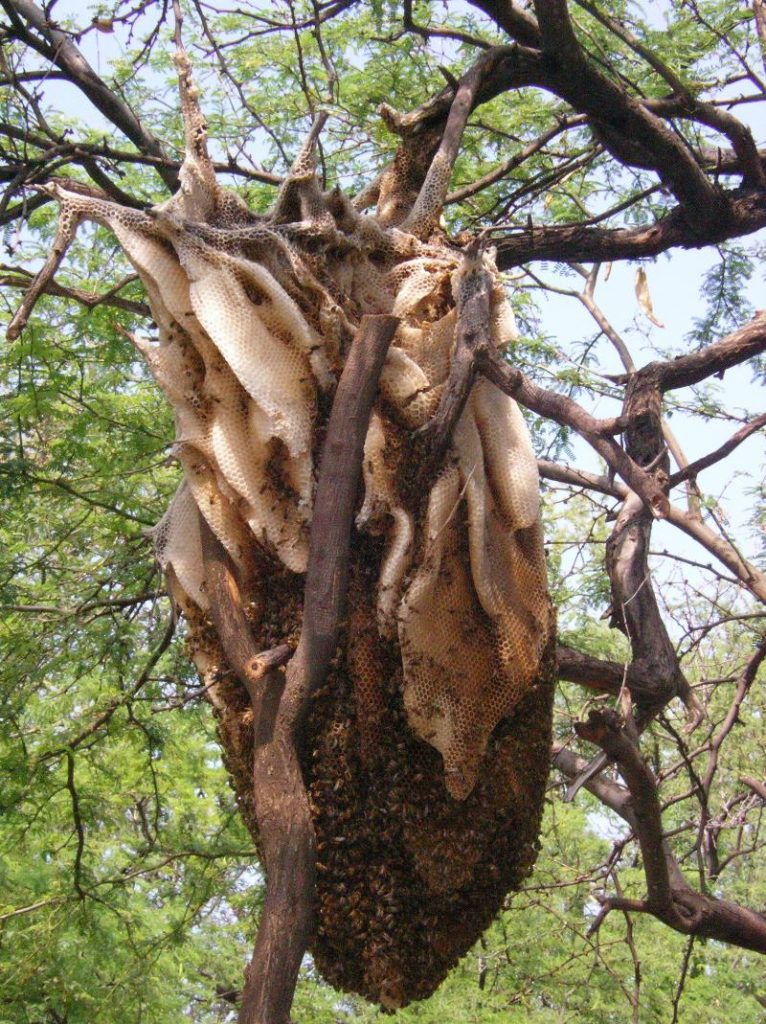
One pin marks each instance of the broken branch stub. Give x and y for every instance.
(424, 753)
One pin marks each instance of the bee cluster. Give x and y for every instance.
(408, 877)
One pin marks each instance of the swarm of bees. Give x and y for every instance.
(408, 877)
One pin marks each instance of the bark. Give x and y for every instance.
(716, 358)
(654, 676)
(592, 673)
(573, 78)
(424, 214)
(586, 244)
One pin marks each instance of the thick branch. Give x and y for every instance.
(499, 69)
(611, 794)
(738, 133)
(654, 676)
(628, 126)
(517, 23)
(746, 214)
(332, 516)
(227, 613)
(428, 206)
(424, 133)
(281, 803)
(685, 371)
(758, 787)
(592, 673)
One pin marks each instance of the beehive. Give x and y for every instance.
(427, 751)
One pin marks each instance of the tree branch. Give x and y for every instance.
(78, 824)
(684, 371)
(281, 802)
(66, 229)
(473, 187)
(691, 470)
(428, 206)
(738, 133)
(56, 46)
(592, 673)
(18, 277)
(517, 23)
(581, 478)
(746, 214)
(654, 676)
(745, 571)
(628, 126)
(670, 898)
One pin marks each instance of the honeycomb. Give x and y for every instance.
(427, 751)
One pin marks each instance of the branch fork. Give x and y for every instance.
(670, 898)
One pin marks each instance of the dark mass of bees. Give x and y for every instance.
(408, 878)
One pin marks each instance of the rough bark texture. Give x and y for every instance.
(654, 676)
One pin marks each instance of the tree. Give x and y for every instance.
(562, 134)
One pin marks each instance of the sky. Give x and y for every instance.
(674, 284)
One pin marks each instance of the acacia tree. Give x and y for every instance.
(372, 318)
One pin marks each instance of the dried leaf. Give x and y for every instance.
(644, 298)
